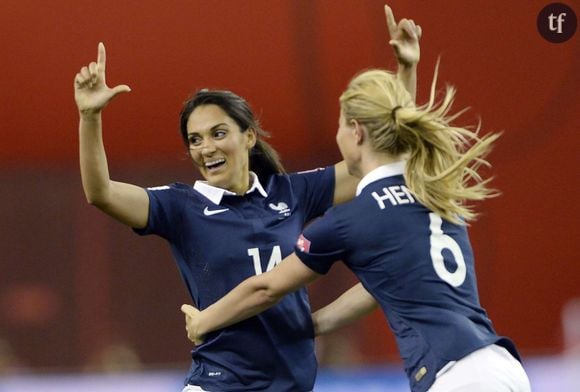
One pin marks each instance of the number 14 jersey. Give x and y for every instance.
(219, 239)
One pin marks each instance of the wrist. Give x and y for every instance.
(201, 328)
(90, 116)
(315, 324)
(407, 66)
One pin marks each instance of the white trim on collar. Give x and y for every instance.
(388, 170)
(216, 194)
(256, 185)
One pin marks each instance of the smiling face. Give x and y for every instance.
(219, 148)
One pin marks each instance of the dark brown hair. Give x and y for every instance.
(264, 160)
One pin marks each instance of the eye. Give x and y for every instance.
(194, 140)
(220, 133)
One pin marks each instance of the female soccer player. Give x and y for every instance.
(404, 236)
(241, 221)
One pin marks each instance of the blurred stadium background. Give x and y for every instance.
(87, 305)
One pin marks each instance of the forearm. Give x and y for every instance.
(254, 295)
(407, 73)
(93, 160)
(248, 299)
(404, 38)
(346, 309)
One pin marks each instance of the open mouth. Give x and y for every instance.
(214, 164)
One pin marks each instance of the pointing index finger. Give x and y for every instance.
(102, 56)
(391, 24)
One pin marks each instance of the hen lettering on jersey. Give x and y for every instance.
(395, 194)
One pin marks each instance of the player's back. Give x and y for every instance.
(420, 269)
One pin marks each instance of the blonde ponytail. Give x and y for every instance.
(443, 160)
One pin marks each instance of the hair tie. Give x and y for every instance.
(394, 112)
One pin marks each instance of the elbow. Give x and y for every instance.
(261, 292)
(97, 196)
(94, 200)
(97, 200)
(265, 296)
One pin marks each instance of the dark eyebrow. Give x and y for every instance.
(211, 129)
(218, 126)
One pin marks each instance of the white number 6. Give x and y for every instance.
(440, 241)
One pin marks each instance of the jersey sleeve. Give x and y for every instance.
(165, 212)
(321, 244)
(315, 189)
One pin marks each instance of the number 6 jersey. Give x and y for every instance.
(219, 239)
(417, 266)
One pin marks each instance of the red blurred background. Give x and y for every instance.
(74, 282)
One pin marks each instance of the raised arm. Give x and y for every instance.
(404, 39)
(346, 309)
(252, 296)
(127, 203)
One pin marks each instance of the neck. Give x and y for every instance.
(243, 188)
(370, 160)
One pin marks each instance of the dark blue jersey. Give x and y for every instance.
(416, 265)
(218, 240)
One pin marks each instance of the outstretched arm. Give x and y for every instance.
(346, 309)
(249, 298)
(125, 202)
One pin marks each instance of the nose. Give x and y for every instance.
(208, 147)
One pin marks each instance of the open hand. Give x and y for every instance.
(404, 38)
(91, 91)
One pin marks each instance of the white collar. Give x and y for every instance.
(216, 194)
(388, 170)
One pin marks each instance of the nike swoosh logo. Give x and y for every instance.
(208, 212)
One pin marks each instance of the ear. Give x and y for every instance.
(358, 132)
(251, 138)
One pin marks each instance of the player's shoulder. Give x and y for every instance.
(317, 170)
(298, 183)
(311, 174)
(176, 189)
(354, 209)
(318, 177)
(176, 186)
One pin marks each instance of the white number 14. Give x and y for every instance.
(275, 259)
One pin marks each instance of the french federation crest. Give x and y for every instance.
(281, 207)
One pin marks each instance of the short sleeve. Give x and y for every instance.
(165, 212)
(321, 244)
(315, 189)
